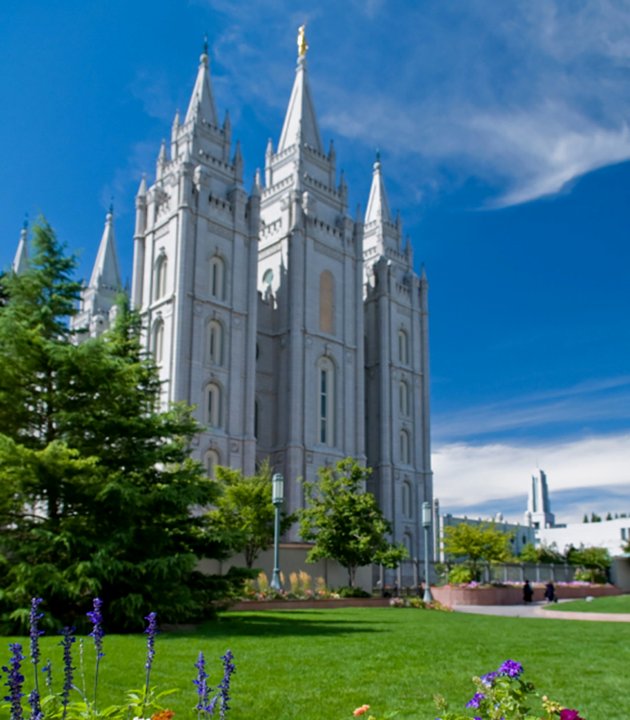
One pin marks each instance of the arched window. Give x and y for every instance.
(215, 342)
(211, 462)
(408, 543)
(327, 302)
(214, 405)
(326, 402)
(256, 419)
(406, 499)
(157, 341)
(403, 392)
(217, 278)
(161, 267)
(403, 347)
(404, 447)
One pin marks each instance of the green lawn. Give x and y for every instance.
(321, 664)
(615, 604)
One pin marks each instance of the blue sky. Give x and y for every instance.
(504, 131)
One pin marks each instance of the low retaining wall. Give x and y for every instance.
(451, 595)
(309, 604)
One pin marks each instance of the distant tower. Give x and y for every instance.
(98, 298)
(539, 513)
(21, 256)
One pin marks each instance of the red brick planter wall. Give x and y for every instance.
(450, 595)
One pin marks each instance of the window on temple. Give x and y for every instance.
(326, 402)
(327, 302)
(158, 341)
(217, 278)
(403, 347)
(404, 447)
(214, 405)
(161, 267)
(215, 342)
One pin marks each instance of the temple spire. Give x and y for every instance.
(378, 205)
(300, 122)
(201, 106)
(106, 271)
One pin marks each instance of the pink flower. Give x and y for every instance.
(364, 708)
(570, 715)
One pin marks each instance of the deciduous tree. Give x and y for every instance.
(477, 544)
(344, 521)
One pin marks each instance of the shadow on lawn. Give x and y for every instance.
(279, 625)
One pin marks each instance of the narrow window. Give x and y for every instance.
(406, 499)
(326, 389)
(161, 267)
(217, 278)
(215, 342)
(403, 390)
(212, 460)
(158, 341)
(214, 405)
(404, 447)
(327, 302)
(403, 347)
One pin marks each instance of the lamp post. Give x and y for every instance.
(426, 524)
(277, 496)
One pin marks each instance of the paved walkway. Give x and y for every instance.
(538, 610)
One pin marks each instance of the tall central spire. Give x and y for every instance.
(201, 102)
(378, 205)
(300, 123)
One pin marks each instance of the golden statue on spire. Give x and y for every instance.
(301, 41)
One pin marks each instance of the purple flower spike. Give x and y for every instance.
(475, 700)
(96, 618)
(511, 668)
(202, 686)
(150, 632)
(35, 633)
(15, 680)
(68, 669)
(224, 685)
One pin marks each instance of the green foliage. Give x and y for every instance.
(460, 574)
(347, 591)
(98, 486)
(478, 544)
(344, 522)
(244, 514)
(541, 554)
(593, 563)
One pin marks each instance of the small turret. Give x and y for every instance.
(238, 163)
(162, 159)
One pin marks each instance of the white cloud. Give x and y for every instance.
(467, 477)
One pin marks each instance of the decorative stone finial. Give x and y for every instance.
(203, 58)
(301, 42)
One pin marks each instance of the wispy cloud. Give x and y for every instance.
(591, 474)
(600, 400)
(527, 96)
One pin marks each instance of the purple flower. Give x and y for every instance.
(47, 670)
(202, 685)
(96, 618)
(489, 678)
(68, 669)
(150, 632)
(511, 668)
(35, 632)
(15, 679)
(224, 685)
(475, 700)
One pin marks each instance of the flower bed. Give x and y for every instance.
(473, 594)
(309, 604)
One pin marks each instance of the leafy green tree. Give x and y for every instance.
(478, 544)
(97, 483)
(593, 563)
(344, 522)
(542, 554)
(244, 514)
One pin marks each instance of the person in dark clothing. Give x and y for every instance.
(528, 592)
(550, 592)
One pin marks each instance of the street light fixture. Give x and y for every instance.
(426, 524)
(277, 498)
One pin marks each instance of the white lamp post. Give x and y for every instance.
(277, 497)
(426, 524)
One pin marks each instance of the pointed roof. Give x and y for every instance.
(106, 272)
(201, 101)
(21, 256)
(378, 205)
(300, 122)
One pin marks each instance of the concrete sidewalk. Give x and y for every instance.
(538, 610)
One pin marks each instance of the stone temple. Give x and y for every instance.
(298, 333)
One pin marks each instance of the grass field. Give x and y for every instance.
(321, 664)
(615, 604)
